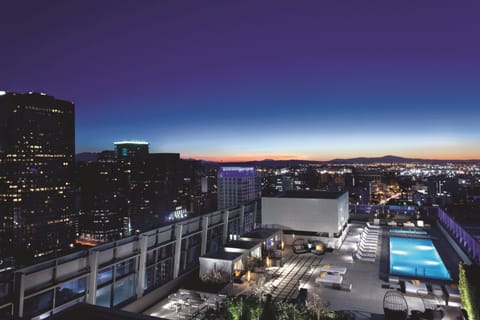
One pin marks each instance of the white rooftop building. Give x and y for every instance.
(314, 215)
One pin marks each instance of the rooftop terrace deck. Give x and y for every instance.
(365, 277)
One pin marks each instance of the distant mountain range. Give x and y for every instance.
(395, 159)
(384, 159)
(86, 156)
(92, 156)
(360, 160)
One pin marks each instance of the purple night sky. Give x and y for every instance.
(256, 79)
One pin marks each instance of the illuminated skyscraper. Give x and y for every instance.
(131, 150)
(237, 186)
(37, 146)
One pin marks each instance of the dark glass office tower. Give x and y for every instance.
(37, 146)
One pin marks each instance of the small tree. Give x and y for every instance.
(234, 307)
(255, 310)
(282, 311)
(315, 305)
(298, 312)
(469, 287)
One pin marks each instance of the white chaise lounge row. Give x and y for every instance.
(367, 247)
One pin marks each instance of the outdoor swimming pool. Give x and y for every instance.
(419, 232)
(416, 258)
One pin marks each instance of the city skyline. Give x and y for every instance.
(238, 82)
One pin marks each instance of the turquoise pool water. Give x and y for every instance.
(416, 258)
(420, 232)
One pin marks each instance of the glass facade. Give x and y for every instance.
(104, 276)
(109, 275)
(124, 289)
(37, 144)
(69, 291)
(104, 296)
(159, 267)
(38, 303)
(192, 252)
(121, 278)
(214, 238)
(125, 268)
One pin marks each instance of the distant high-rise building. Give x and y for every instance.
(237, 186)
(131, 149)
(103, 211)
(37, 147)
(435, 185)
(204, 184)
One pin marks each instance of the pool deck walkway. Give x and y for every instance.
(365, 300)
(369, 280)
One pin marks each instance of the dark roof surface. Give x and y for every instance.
(222, 255)
(242, 244)
(262, 234)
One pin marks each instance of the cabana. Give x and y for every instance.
(271, 238)
(251, 248)
(222, 266)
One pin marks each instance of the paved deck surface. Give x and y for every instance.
(364, 301)
(368, 279)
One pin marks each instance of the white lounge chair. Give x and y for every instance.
(367, 254)
(329, 278)
(416, 286)
(361, 258)
(369, 235)
(333, 269)
(365, 245)
(370, 238)
(370, 249)
(372, 226)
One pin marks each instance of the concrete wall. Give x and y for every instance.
(342, 210)
(316, 215)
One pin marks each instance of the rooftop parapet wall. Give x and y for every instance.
(468, 242)
(119, 274)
